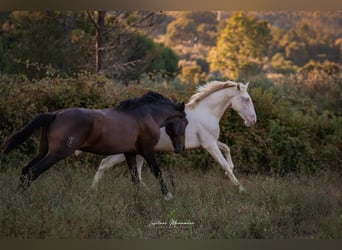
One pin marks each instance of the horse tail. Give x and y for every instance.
(20, 136)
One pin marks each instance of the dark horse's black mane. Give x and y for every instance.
(149, 97)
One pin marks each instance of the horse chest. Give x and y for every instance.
(148, 136)
(204, 125)
(164, 143)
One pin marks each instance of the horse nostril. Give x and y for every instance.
(179, 148)
(253, 120)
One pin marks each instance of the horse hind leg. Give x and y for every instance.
(36, 168)
(47, 156)
(43, 149)
(24, 178)
(226, 151)
(106, 164)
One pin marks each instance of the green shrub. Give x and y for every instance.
(294, 133)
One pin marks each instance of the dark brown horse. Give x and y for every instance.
(132, 128)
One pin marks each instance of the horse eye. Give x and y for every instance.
(246, 99)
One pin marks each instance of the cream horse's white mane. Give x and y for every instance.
(207, 89)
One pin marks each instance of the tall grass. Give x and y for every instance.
(292, 139)
(60, 204)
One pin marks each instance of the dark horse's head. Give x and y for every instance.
(175, 117)
(176, 131)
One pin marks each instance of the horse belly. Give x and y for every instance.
(112, 140)
(112, 137)
(110, 145)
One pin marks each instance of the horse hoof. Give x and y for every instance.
(168, 196)
(242, 190)
(142, 185)
(78, 152)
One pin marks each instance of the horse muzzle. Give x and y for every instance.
(250, 121)
(179, 148)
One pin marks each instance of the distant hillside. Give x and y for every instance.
(329, 21)
(328, 24)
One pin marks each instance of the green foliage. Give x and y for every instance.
(296, 51)
(320, 85)
(192, 27)
(292, 134)
(326, 68)
(147, 57)
(281, 65)
(240, 46)
(165, 61)
(305, 43)
(192, 74)
(37, 40)
(61, 44)
(298, 128)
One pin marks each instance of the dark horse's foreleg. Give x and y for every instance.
(132, 165)
(35, 168)
(152, 162)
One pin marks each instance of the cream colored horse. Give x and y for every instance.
(204, 111)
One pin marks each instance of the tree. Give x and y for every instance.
(41, 43)
(296, 52)
(328, 67)
(281, 65)
(123, 50)
(35, 41)
(306, 42)
(192, 27)
(99, 24)
(240, 47)
(146, 57)
(166, 60)
(51, 43)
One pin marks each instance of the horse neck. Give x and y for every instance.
(216, 103)
(161, 113)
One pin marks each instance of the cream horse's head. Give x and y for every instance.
(242, 103)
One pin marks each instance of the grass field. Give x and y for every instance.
(60, 205)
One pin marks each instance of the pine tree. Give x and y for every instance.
(240, 46)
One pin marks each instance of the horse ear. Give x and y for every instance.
(181, 106)
(238, 86)
(247, 85)
(173, 98)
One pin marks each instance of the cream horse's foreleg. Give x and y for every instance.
(226, 151)
(215, 152)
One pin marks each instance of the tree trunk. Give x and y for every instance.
(100, 40)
